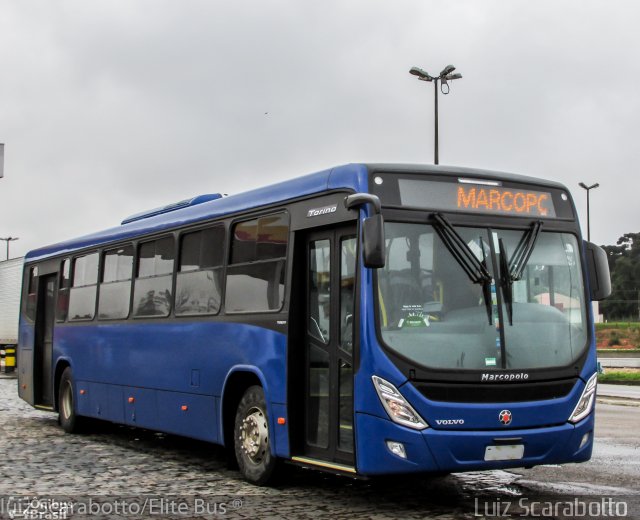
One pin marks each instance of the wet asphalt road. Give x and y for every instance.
(118, 463)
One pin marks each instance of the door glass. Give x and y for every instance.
(345, 436)
(318, 398)
(347, 291)
(319, 290)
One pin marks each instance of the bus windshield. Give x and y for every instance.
(530, 313)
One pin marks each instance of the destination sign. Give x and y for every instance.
(476, 198)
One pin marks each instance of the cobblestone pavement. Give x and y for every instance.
(116, 471)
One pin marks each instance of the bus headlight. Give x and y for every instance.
(397, 407)
(585, 404)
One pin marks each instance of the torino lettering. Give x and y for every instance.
(503, 200)
(321, 211)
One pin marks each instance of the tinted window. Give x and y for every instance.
(32, 288)
(202, 249)
(243, 247)
(65, 274)
(255, 287)
(198, 283)
(85, 270)
(255, 278)
(62, 307)
(260, 239)
(156, 258)
(152, 293)
(118, 264)
(82, 295)
(115, 290)
(273, 232)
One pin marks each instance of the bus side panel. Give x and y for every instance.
(188, 414)
(160, 367)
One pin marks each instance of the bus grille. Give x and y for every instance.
(495, 393)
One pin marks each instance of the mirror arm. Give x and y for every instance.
(358, 199)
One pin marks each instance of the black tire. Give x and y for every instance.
(67, 417)
(252, 438)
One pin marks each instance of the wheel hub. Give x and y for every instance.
(254, 435)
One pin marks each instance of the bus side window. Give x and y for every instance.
(115, 284)
(82, 295)
(64, 284)
(154, 276)
(256, 271)
(199, 278)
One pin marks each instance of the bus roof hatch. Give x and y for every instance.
(172, 207)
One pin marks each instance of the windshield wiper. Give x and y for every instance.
(474, 269)
(512, 270)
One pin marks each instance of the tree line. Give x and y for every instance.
(624, 264)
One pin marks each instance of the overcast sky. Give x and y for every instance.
(108, 108)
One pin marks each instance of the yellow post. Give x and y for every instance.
(9, 359)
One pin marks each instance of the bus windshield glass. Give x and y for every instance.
(438, 313)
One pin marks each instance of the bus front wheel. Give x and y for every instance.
(67, 417)
(252, 438)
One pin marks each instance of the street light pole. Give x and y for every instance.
(7, 240)
(444, 77)
(436, 158)
(588, 188)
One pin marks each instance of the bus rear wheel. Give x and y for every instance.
(252, 438)
(67, 417)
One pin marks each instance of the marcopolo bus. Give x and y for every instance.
(366, 320)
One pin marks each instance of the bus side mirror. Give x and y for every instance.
(373, 241)
(598, 270)
(372, 229)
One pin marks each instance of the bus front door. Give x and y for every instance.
(328, 381)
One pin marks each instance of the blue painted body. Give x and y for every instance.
(171, 375)
(166, 366)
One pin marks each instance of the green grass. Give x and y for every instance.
(609, 350)
(611, 375)
(618, 325)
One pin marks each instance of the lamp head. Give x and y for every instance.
(421, 74)
(447, 70)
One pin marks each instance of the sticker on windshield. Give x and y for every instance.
(413, 317)
(490, 362)
(479, 248)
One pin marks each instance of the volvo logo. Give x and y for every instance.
(505, 417)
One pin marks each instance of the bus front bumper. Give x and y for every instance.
(432, 450)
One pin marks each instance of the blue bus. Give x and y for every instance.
(368, 319)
